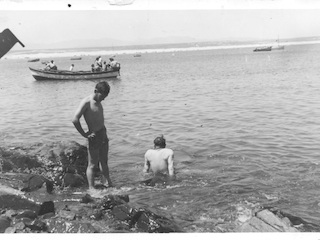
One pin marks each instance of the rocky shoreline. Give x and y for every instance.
(43, 169)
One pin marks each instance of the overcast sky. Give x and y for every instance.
(33, 23)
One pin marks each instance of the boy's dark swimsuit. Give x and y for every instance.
(99, 140)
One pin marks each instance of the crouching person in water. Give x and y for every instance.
(98, 142)
(160, 161)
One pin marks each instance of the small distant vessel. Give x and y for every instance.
(137, 55)
(76, 58)
(41, 74)
(34, 60)
(261, 49)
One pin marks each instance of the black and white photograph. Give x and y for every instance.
(150, 116)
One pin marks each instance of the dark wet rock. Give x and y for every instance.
(17, 202)
(110, 201)
(35, 182)
(4, 223)
(122, 212)
(37, 225)
(124, 198)
(46, 207)
(12, 160)
(97, 215)
(86, 199)
(63, 226)
(67, 214)
(79, 211)
(100, 186)
(48, 215)
(14, 180)
(73, 180)
(27, 214)
(147, 221)
(24, 220)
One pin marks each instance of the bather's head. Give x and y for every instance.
(160, 142)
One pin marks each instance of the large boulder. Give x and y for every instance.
(65, 162)
(11, 160)
(73, 180)
(4, 224)
(46, 207)
(70, 155)
(35, 182)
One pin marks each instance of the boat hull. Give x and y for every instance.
(41, 75)
(262, 49)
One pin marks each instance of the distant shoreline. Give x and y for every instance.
(54, 53)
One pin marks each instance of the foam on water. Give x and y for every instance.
(64, 53)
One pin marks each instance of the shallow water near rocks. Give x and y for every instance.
(243, 125)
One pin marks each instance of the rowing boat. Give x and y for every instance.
(41, 74)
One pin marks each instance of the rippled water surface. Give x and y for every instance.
(244, 127)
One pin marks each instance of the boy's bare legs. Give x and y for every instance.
(93, 160)
(103, 155)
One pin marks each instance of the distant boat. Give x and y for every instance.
(34, 60)
(261, 49)
(137, 55)
(76, 58)
(40, 74)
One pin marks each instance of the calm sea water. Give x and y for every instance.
(244, 127)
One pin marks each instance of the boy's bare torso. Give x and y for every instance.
(93, 114)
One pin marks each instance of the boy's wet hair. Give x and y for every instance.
(160, 142)
(103, 87)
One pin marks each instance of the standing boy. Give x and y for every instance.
(98, 142)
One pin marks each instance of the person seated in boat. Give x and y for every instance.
(106, 66)
(114, 65)
(71, 67)
(159, 159)
(51, 66)
(98, 64)
(93, 69)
